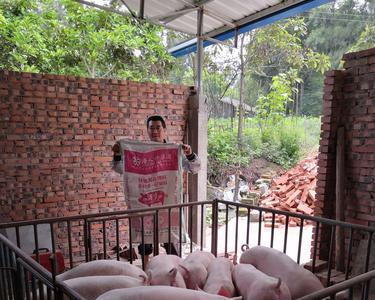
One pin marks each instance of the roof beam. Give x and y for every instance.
(167, 18)
(219, 18)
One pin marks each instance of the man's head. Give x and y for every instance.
(156, 129)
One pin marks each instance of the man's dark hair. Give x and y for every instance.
(156, 118)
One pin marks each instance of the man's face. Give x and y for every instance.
(155, 131)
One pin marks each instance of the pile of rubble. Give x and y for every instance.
(293, 191)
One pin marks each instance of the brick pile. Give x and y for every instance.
(293, 191)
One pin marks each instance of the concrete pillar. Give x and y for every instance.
(197, 138)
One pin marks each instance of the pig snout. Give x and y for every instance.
(219, 279)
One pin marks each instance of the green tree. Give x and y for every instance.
(65, 37)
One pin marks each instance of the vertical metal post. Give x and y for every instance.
(199, 58)
(142, 9)
(197, 137)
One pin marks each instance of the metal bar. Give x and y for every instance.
(341, 286)
(199, 55)
(104, 239)
(350, 247)
(226, 228)
(286, 233)
(134, 211)
(169, 17)
(142, 9)
(300, 240)
(202, 219)
(315, 247)
(248, 226)
(87, 226)
(169, 228)
(3, 271)
(36, 242)
(143, 242)
(366, 286)
(219, 18)
(272, 230)
(26, 276)
(118, 241)
(8, 270)
(130, 239)
(156, 232)
(260, 228)
(331, 248)
(70, 243)
(236, 234)
(191, 227)
(180, 231)
(214, 227)
(18, 237)
(53, 264)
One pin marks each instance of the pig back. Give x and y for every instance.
(103, 267)
(275, 263)
(91, 287)
(219, 278)
(159, 293)
(164, 269)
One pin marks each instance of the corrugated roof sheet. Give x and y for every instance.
(222, 19)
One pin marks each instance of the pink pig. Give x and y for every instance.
(163, 269)
(195, 265)
(253, 284)
(91, 287)
(103, 267)
(159, 293)
(219, 279)
(275, 263)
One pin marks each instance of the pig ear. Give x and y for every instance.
(173, 272)
(190, 283)
(278, 282)
(149, 276)
(145, 279)
(245, 247)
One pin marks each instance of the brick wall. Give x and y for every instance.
(349, 102)
(56, 138)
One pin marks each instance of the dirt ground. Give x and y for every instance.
(251, 173)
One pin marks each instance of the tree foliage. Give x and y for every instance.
(64, 37)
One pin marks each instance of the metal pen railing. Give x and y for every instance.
(102, 232)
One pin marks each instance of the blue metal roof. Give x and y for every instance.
(292, 10)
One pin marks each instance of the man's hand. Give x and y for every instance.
(187, 149)
(116, 149)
